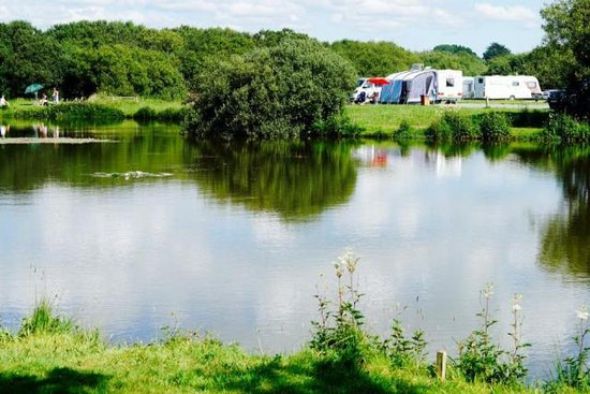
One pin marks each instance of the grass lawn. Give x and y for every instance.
(385, 119)
(130, 105)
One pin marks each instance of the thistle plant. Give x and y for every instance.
(339, 329)
(404, 350)
(483, 360)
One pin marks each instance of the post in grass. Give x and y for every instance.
(441, 365)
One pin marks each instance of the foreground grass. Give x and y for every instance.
(76, 362)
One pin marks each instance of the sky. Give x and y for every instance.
(414, 24)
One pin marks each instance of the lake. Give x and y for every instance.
(151, 229)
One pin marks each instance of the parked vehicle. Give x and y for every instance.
(509, 87)
(448, 86)
(365, 91)
(555, 99)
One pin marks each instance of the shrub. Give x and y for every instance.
(405, 131)
(527, 118)
(166, 115)
(73, 111)
(336, 126)
(279, 91)
(566, 129)
(44, 321)
(452, 126)
(494, 126)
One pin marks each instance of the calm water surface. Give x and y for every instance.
(154, 230)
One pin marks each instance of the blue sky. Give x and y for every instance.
(415, 24)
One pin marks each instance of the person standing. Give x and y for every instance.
(55, 95)
(3, 102)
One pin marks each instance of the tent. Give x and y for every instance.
(391, 93)
(418, 84)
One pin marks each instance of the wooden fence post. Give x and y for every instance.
(441, 365)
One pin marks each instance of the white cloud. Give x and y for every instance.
(418, 24)
(516, 13)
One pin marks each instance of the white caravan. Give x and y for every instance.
(449, 85)
(507, 87)
(468, 87)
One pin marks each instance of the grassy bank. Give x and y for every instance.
(97, 109)
(384, 120)
(50, 355)
(374, 120)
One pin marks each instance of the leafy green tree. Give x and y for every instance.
(454, 49)
(375, 58)
(552, 64)
(27, 56)
(495, 50)
(199, 45)
(269, 92)
(566, 26)
(469, 64)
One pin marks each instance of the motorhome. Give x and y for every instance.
(365, 90)
(507, 87)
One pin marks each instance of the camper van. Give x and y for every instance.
(364, 91)
(468, 87)
(510, 87)
(449, 86)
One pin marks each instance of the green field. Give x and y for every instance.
(373, 119)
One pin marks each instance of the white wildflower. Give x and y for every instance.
(583, 313)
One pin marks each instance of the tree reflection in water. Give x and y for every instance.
(298, 181)
(566, 236)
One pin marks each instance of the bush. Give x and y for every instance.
(452, 126)
(494, 126)
(279, 91)
(405, 131)
(526, 118)
(336, 126)
(566, 129)
(44, 321)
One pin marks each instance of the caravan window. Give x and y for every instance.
(515, 83)
(450, 82)
(531, 85)
(480, 80)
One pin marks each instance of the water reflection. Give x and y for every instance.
(295, 180)
(566, 235)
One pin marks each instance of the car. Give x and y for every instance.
(555, 98)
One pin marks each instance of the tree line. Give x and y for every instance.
(122, 58)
